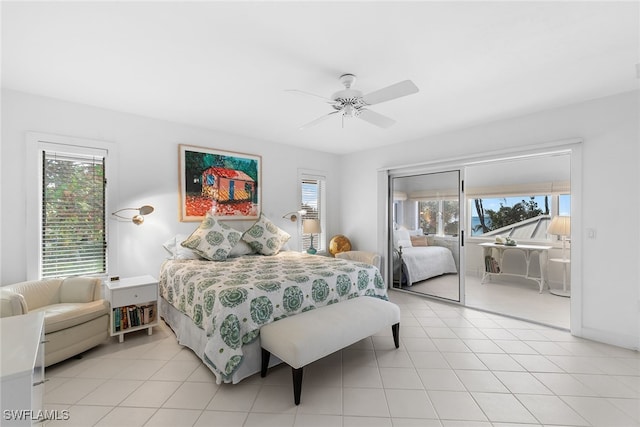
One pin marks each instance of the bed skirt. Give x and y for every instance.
(189, 335)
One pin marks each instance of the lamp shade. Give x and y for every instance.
(560, 226)
(310, 226)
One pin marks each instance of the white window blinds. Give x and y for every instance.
(312, 195)
(73, 215)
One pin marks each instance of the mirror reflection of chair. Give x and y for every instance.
(361, 256)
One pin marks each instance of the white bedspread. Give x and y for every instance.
(424, 262)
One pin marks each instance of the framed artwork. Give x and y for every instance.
(223, 182)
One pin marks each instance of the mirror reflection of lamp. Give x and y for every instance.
(561, 226)
(138, 218)
(311, 226)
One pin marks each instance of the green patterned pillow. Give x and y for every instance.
(265, 237)
(212, 240)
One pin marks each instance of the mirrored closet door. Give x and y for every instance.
(425, 234)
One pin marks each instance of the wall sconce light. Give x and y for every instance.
(138, 218)
(293, 216)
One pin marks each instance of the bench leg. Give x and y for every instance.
(396, 334)
(297, 384)
(265, 363)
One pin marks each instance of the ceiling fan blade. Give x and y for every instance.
(388, 93)
(318, 120)
(330, 101)
(375, 118)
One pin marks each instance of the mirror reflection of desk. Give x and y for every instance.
(494, 265)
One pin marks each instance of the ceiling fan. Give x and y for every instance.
(352, 103)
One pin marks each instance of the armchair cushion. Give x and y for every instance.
(78, 289)
(66, 315)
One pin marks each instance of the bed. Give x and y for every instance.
(217, 308)
(418, 260)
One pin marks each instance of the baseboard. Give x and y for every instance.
(607, 337)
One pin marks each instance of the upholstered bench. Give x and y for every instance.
(312, 335)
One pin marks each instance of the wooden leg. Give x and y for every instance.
(396, 334)
(297, 384)
(265, 363)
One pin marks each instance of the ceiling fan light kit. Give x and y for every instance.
(350, 102)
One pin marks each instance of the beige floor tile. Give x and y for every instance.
(151, 394)
(456, 405)
(110, 393)
(174, 418)
(551, 410)
(191, 395)
(403, 378)
(129, 417)
(221, 419)
(409, 403)
(365, 402)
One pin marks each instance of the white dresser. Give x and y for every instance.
(22, 369)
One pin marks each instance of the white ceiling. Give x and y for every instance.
(225, 66)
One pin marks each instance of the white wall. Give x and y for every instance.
(148, 174)
(609, 128)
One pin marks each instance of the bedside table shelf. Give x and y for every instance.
(134, 305)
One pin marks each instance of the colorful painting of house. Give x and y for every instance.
(228, 185)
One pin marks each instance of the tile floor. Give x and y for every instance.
(456, 367)
(513, 296)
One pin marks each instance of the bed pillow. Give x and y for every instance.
(404, 243)
(176, 250)
(403, 236)
(213, 239)
(242, 248)
(265, 237)
(419, 241)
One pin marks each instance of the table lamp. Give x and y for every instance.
(311, 226)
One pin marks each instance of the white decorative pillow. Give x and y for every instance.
(401, 235)
(405, 243)
(242, 248)
(176, 250)
(265, 237)
(212, 240)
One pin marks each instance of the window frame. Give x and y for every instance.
(320, 241)
(36, 144)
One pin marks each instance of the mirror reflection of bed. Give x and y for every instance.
(428, 264)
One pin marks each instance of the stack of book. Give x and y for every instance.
(491, 265)
(132, 315)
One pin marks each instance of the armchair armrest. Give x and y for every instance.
(12, 303)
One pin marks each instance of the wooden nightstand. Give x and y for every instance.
(134, 305)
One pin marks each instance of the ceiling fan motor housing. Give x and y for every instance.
(348, 100)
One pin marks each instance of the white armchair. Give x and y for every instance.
(361, 256)
(76, 317)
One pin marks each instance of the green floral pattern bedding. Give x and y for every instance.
(230, 300)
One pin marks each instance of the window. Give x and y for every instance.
(312, 196)
(70, 227)
(494, 214)
(73, 217)
(439, 217)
